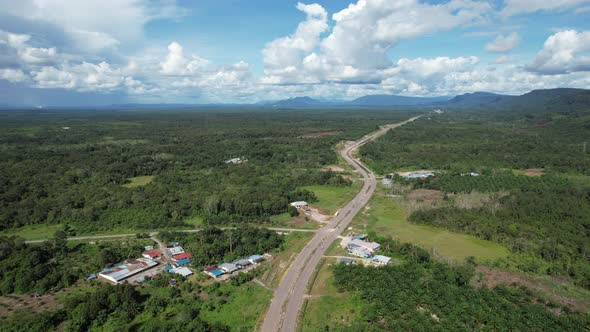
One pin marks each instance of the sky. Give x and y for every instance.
(102, 52)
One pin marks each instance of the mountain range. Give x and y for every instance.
(560, 98)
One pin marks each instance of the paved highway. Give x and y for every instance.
(288, 296)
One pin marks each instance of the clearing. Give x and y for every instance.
(386, 217)
(275, 268)
(138, 181)
(332, 198)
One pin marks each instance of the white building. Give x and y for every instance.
(369, 247)
(183, 271)
(119, 273)
(299, 204)
(381, 260)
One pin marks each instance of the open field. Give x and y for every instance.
(386, 217)
(138, 181)
(332, 198)
(243, 309)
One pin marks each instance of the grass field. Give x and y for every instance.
(385, 217)
(276, 268)
(328, 311)
(138, 181)
(243, 310)
(332, 198)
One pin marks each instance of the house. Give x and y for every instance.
(346, 260)
(176, 250)
(152, 254)
(361, 236)
(182, 262)
(228, 267)
(183, 271)
(119, 273)
(370, 247)
(387, 181)
(381, 260)
(360, 252)
(149, 247)
(242, 263)
(413, 176)
(300, 205)
(213, 271)
(91, 276)
(168, 268)
(255, 259)
(186, 255)
(238, 160)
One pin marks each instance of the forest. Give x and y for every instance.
(421, 294)
(543, 219)
(73, 166)
(214, 245)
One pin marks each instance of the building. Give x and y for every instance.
(228, 267)
(176, 250)
(300, 205)
(119, 273)
(413, 176)
(213, 271)
(152, 253)
(186, 255)
(255, 259)
(183, 271)
(149, 247)
(182, 262)
(387, 181)
(370, 247)
(361, 236)
(242, 263)
(360, 252)
(345, 260)
(238, 160)
(381, 260)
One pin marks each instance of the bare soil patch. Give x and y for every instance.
(426, 195)
(336, 169)
(534, 172)
(547, 288)
(13, 302)
(321, 134)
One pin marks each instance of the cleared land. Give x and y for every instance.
(138, 181)
(332, 198)
(386, 217)
(274, 269)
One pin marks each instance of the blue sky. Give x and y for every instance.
(96, 52)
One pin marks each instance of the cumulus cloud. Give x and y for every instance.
(503, 43)
(562, 53)
(177, 64)
(25, 53)
(356, 48)
(94, 24)
(12, 75)
(517, 7)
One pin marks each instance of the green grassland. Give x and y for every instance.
(138, 181)
(387, 218)
(332, 198)
(243, 309)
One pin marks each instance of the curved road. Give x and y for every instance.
(288, 297)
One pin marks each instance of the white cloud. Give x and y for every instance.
(12, 75)
(176, 64)
(25, 53)
(284, 55)
(563, 53)
(503, 59)
(516, 7)
(503, 43)
(94, 24)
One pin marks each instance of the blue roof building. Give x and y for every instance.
(359, 252)
(182, 262)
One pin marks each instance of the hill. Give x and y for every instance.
(394, 100)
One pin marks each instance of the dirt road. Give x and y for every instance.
(289, 295)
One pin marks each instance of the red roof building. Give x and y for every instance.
(154, 253)
(182, 256)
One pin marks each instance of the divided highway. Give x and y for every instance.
(288, 297)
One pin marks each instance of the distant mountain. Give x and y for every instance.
(297, 102)
(393, 100)
(556, 99)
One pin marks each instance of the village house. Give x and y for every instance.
(152, 253)
(228, 267)
(121, 272)
(381, 260)
(300, 205)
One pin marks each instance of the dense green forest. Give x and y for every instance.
(421, 294)
(544, 220)
(213, 245)
(55, 264)
(70, 166)
(479, 141)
